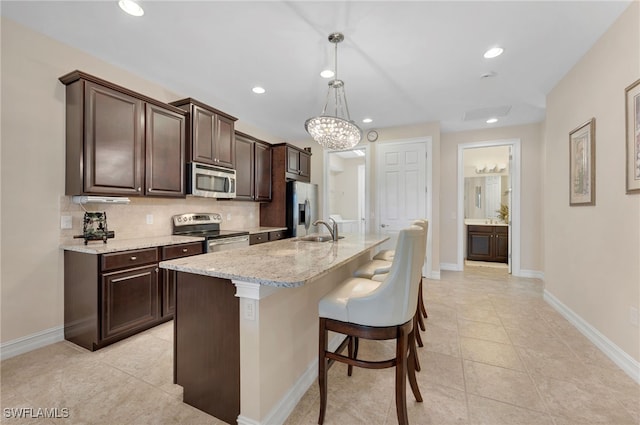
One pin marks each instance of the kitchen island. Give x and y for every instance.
(246, 323)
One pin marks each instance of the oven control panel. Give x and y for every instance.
(196, 218)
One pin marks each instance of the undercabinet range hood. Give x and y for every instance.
(100, 200)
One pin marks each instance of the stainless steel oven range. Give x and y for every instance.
(207, 225)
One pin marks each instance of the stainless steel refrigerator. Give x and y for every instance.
(302, 208)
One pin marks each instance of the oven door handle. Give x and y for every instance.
(227, 241)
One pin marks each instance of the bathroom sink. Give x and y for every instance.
(318, 238)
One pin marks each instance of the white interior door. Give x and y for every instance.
(401, 187)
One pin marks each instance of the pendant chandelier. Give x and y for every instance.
(337, 131)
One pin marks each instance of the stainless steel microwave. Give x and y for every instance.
(210, 181)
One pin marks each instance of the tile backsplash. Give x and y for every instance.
(130, 221)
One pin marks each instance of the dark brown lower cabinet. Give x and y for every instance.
(108, 297)
(488, 243)
(169, 276)
(130, 300)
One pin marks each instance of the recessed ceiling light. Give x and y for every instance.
(367, 120)
(492, 120)
(258, 90)
(131, 7)
(493, 52)
(327, 73)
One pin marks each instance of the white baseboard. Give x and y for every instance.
(285, 406)
(535, 274)
(450, 266)
(31, 342)
(434, 275)
(628, 364)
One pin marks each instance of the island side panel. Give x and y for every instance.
(280, 347)
(207, 344)
(81, 299)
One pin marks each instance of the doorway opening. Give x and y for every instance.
(489, 205)
(346, 189)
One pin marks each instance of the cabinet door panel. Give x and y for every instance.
(129, 300)
(165, 132)
(113, 139)
(262, 172)
(203, 132)
(479, 246)
(168, 292)
(224, 143)
(293, 160)
(245, 178)
(305, 166)
(501, 247)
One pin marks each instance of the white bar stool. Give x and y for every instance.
(363, 308)
(381, 263)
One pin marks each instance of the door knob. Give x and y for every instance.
(383, 225)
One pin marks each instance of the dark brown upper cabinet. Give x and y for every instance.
(119, 142)
(253, 169)
(285, 160)
(211, 134)
(298, 164)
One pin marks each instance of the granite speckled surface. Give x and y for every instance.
(287, 263)
(114, 245)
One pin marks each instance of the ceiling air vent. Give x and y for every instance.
(486, 113)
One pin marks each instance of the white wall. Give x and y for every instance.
(530, 136)
(592, 253)
(32, 177)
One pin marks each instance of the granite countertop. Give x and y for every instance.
(483, 222)
(264, 229)
(114, 245)
(287, 263)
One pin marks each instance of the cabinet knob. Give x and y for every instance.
(139, 189)
(133, 258)
(150, 189)
(185, 250)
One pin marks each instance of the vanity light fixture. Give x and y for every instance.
(493, 52)
(131, 7)
(258, 90)
(337, 131)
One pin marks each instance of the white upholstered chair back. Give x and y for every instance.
(394, 301)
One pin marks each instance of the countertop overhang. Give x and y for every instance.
(286, 263)
(115, 245)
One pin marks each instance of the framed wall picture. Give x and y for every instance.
(632, 97)
(582, 164)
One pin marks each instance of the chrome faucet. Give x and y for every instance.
(333, 229)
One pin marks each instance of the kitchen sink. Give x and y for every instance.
(318, 238)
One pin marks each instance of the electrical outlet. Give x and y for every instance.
(66, 222)
(250, 309)
(149, 218)
(633, 315)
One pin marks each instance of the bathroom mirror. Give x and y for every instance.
(483, 196)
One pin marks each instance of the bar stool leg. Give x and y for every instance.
(401, 376)
(421, 302)
(353, 351)
(322, 369)
(413, 360)
(412, 345)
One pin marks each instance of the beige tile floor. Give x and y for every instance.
(495, 353)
